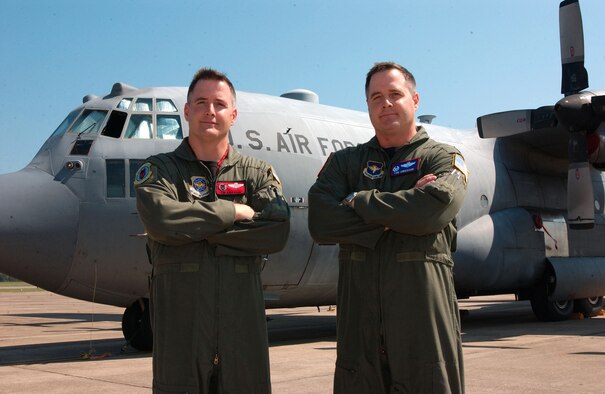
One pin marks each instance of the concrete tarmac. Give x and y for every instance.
(53, 344)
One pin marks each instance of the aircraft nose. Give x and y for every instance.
(38, 228)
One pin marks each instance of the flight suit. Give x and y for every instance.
(208, 311)
(398, 326)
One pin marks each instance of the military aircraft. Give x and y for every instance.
(531, 223)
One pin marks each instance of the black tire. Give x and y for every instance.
(546, 310)
(589, 307)
(136, 325)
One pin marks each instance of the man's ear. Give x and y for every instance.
(233, 116)
(416, 98)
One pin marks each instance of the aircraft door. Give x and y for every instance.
(284, 143)
(286, 268)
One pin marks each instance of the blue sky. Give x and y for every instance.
(469, 57)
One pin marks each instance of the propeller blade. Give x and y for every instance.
(574, 75)
(580, 198)
(504, 124)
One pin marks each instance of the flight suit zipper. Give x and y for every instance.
(217, 292)
(216, 359)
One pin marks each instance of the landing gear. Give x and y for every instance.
(589, 307)
(546, 310)
(136, 325)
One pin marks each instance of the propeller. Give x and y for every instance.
(580, 113)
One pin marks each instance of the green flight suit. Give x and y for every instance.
(398, 326)
(208, 311)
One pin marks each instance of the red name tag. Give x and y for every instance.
(230, 188)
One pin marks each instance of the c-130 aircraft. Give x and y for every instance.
(532, 222)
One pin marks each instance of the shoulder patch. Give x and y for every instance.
(460, 165)
(144, 173)
(271, 172)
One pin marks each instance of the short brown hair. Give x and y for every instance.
(209, 74)
(385, 66)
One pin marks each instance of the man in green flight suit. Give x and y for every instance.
(210, 214)
(391, 204)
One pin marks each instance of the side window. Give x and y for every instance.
(134, 165)
(115, 124)
(81, 147)
(114, 168)
(139, 126)
(169, 127)
(89, 122)
(66, 123)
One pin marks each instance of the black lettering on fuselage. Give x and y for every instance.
(253, 135)
(281, 143)
(322, 144)
(337, 145)
(292, 142)
(303, 142)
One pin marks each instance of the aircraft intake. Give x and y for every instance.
(575, 277)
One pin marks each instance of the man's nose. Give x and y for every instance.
(209, 109)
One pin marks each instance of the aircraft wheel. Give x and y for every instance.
(546, 310)
(136, 325)
(589, 307)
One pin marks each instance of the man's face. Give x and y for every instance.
(391, 103)
(210, 110)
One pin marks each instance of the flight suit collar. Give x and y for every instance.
(420, 137)
(185, 152)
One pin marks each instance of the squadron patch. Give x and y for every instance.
(199, 186)
(230, 188)
(374, 169)
(460, 165)
(143, 174)
(274, 175)
(405, 167)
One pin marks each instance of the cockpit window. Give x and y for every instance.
(143, 104)
(139, 126)
(169, 127)
(165, 105)
(66, 123)
(141, 117)
(115, 124)
(124, 104)
(89, 122)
